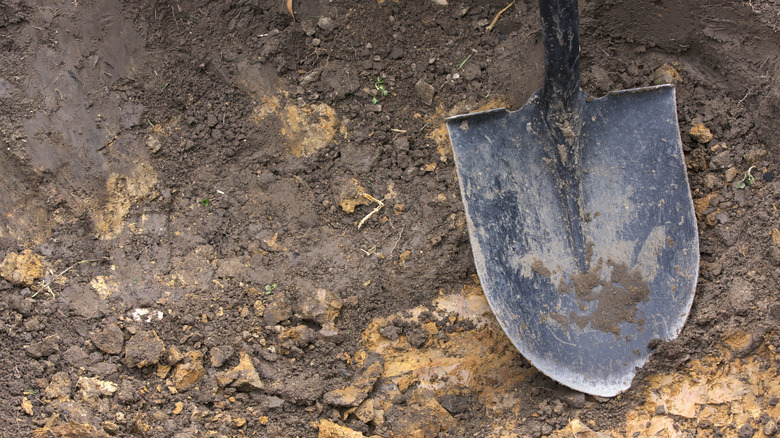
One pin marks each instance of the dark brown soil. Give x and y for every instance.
(208, 161)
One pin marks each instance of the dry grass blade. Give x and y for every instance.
(495, 19)
(290, 8)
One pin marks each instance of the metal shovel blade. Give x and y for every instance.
(583, 271)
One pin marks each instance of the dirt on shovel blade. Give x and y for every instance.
(220, 221)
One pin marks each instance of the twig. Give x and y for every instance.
(495, 20)
(47, 284)
(374, 211)
(396, 241)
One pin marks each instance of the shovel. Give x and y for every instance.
(580, 219)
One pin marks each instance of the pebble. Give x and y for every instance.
(243, 377)
(325, 23)
(321, 306)
(110, 340)
(59, 386)
(701, 133)
(396, 53)
(746, 431)
(220, 354)
(143, 349)
(770, 428)
(425, 91)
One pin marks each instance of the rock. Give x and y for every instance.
(355, 393)
(21, 269)
(55, 427)
(666, 74)
(76, 356)
(325, 23)
(754, 156)
(127, 393)
(299, 336)
(390, 332)
(731, 174)
(454, 404)
(189, 372)
(321, 306)
(91, 389)
(110, 340)
(143, 349)
(722, 160)
(441, 2)
(350, 194)
(396, 53)
(220, 354)
(275, 402)
(310, 78)
(243, 377)
(425, 91)
(277, 311)
(746, 431)
(59, 386)
(770, 428)
(308, 27)
(574, 399)
(173, 355)
(24, 306)
(329, 429)
(701, 133)
(45, 348)
(229, 268)
(110, 427)
(27, 406)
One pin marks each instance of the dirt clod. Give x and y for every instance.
(110, 340)
(143, 349)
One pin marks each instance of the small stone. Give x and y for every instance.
(277, 311)
(425, 91)
(243, 377)
(770, 428)
(275, 402)
(355, 393)
(308, 27)
(572, 398)
(746, 431)
(59, 386)
(329, 429)
(220, 354)
(238, 423)
(310, 78)
(325, 23)
(454, 404)
(27, 407)
(91, 389)
(396, 53)
(110, 427)
(178, 408)
(754, 156)
(390, 332)
(21, 269)
(321, 306)
(299, 336)
(701, 133)
(731, 174)
(666, 74)
(45, 348)
(76, 356)
(173, 356)
(110, 340)
(143, 349)
(189, 372)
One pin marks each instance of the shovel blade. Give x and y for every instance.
(582, 291)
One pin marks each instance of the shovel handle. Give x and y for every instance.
(561, 39)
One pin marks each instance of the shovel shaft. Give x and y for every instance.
(560, 98)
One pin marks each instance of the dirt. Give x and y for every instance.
(220, 221)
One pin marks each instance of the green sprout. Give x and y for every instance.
(465, 60)
(748, 178)
(269, 288)
(206, 202)
(381, 86)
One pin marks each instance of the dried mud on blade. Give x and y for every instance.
(584, 238)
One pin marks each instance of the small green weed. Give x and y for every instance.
(270, 288)
(381, 86)
(206, 202)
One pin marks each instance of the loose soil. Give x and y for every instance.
(220, 221)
